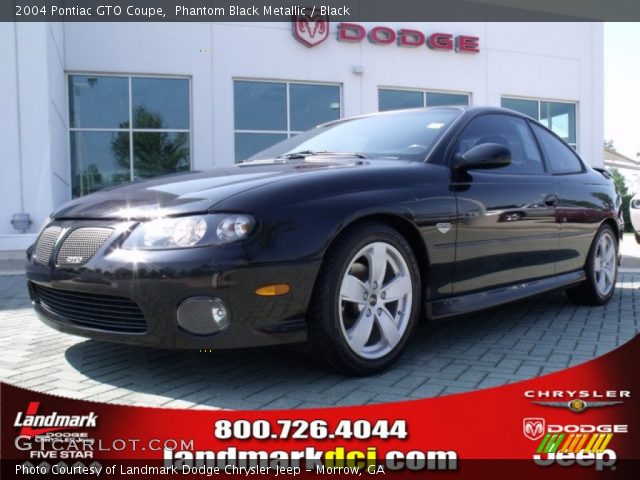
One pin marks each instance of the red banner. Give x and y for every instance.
(578, 423)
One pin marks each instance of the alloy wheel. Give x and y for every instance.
(605, 264)
(375, 300)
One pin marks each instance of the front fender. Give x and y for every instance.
(307, 229)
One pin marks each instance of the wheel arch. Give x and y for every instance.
(614, 226)
(403, 226)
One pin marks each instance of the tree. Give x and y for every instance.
(623, 190)
(154, 153)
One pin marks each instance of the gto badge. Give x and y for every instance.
(74, 260)
(443, 227)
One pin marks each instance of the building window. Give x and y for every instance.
(127, 128)
(560, 117)
(269, 112)
(392, 99)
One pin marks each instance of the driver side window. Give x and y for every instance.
(511, 132)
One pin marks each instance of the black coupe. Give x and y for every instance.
(338, 237)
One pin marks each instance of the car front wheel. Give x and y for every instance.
(601, 269)
(366, 301)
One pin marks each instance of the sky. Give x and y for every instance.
(622, 86)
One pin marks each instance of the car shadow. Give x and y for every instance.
(438, 361)
(233, 379)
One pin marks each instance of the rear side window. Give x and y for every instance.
(560, 157)
(507, 130)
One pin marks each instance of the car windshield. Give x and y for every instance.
(404, 135)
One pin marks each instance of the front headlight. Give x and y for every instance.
(194, 231)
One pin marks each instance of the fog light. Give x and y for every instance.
(220, 314)
(203, 315)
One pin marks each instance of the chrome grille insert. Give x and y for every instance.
(45, 244)
(82, 244)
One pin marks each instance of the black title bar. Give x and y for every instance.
(342, 11)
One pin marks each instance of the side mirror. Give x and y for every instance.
(486, 155)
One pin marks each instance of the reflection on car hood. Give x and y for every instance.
(191, 192)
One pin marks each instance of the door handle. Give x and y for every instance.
(551, 200)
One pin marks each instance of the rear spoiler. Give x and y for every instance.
(605, 173)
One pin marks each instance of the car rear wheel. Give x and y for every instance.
(366, 301)
(637, 238)
(601, 269)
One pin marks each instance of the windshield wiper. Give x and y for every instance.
(309, 153)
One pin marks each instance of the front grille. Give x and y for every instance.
(104, 312)
(82, 244)
(46, 242)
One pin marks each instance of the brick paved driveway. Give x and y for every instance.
(504, 345)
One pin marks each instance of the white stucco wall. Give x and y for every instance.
(11, 159)
(33, 126)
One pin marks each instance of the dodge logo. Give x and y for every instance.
(311, 30)
(533, 428)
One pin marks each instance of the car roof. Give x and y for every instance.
(470, 109)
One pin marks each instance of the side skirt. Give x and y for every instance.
(472, 302)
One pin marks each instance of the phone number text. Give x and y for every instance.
(305, 429)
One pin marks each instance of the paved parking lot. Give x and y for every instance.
(504, 345)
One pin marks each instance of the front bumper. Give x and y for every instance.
(159, 281)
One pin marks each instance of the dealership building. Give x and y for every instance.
(91, 105)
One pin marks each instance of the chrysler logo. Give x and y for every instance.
(577, 405)
(310, 30)
(533, 428)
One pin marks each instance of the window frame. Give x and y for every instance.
(449, 155)
(424, 92)
(288, 132)
(131, 130)
(543, 152)
(539, 101)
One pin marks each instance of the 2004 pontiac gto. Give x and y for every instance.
(339, 237)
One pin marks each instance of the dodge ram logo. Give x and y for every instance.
(311, 30)
(533, 428)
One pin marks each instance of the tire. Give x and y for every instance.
(637, 237)
(361, 318)
(601, 269)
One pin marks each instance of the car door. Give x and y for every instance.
(581, 205)
(507, 230)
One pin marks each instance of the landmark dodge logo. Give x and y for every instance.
(50, 423)
(311, 30)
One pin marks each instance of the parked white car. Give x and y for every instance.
(634, 211)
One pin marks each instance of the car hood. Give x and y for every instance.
(192, 192)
